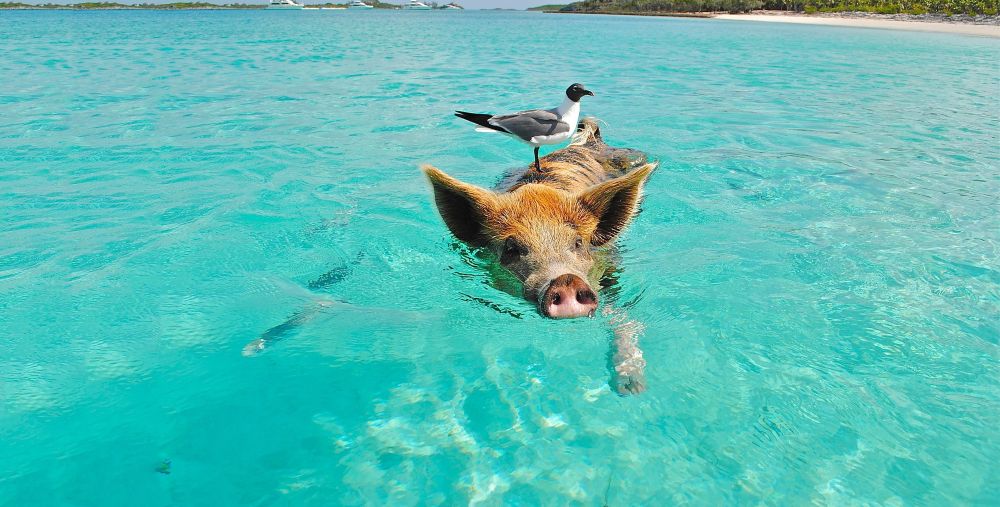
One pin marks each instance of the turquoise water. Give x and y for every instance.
(816, 265)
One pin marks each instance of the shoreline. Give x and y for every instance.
(702, 15)
(861, 20)
(982, 26)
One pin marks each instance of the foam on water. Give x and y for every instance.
(815, 265)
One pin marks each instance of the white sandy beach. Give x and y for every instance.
(920, 26)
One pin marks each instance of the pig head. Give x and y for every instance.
(548, 227)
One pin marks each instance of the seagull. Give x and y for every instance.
(537, 126)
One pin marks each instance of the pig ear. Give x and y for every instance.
(463, 207)
(614, 202)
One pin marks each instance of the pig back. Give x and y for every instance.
(587, 161)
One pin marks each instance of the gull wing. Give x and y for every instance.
(533, 123)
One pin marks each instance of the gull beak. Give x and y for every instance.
(588, 92)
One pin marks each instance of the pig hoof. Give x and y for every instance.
(253, 347)
(630, 383)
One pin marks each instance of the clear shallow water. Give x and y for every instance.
(816, 264)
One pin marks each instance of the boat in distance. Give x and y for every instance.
(285, 5)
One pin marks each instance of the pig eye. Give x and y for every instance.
(579, 244)
(512, 250)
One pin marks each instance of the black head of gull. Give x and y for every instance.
(576, 91)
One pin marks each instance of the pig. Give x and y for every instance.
(553, 228)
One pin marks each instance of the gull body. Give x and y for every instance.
(535, 127)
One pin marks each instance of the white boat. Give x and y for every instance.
(416, 5)
(452, 7)
(284, 4)
(358, 4)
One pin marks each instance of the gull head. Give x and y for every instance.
(576, 91)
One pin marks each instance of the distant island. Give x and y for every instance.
(691, 7)
(548, 8)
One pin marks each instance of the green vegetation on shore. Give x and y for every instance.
(547, 7)
(970, 7)
(949, 7)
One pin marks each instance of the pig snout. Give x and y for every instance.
(568, 296)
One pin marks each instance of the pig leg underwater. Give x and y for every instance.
(301, 317)
(625, 356)
(276, 333)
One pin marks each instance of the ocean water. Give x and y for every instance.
(816, 264)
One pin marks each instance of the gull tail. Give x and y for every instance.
(483, 120)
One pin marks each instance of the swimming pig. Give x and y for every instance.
(552, 227)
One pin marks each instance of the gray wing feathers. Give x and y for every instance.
(528, 124)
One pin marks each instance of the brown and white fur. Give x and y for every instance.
(552, 227)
